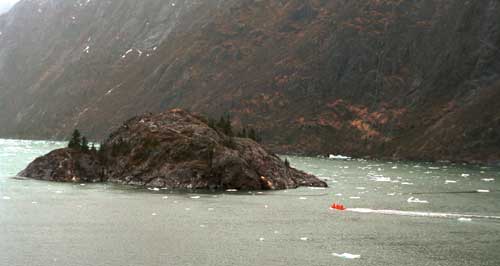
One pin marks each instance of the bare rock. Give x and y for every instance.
(174, 149)
(65, 165)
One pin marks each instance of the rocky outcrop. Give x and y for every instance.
(66, 165)
(174, 149)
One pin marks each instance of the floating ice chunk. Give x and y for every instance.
(203, 226)
(338, 194)
(6, 198)
(34, 202)
(261, 239)
(317, 188)
(339, 157)
(303, 198)
(210, 209)
(153, 189)
(354, 197)
(154, 214)
(406, 183)
(266, 206)
(416, 200)
(82, 185)
(187, 209)
(391, 194)
(58, 192)
(304, 238)
(195, 197)
(465, 175)
(487, 179)
(347, 256)
(360, 188)
(465, 219)
(394, 167)
(231, 190)
(381, 179)
(483, 191)
(276, 232)
(165, 197)
(450, 182)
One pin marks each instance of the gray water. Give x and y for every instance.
(45, 223)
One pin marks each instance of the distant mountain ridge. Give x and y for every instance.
(394, 79)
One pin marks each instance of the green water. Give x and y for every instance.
(45, 223)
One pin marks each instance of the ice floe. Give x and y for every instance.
(380, 179)
(483, 191)
(416, 200)
(462, 219)
(339, 157)
(450, 182)
(488, 179)
(346, 255)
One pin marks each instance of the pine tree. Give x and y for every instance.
(76, 140)
(84, 145)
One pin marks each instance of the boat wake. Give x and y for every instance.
(422, 214)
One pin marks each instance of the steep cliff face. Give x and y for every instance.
(404, 79)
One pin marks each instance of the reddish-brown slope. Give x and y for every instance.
(405, 79)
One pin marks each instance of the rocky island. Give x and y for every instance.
(175, 150)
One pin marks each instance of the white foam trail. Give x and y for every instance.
(421, 214)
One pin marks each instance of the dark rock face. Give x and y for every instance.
(175, 149)
(397, 79)
(65, 165)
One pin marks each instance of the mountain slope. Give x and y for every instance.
(403, 79)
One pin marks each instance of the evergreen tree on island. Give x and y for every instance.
(76, 140)
(84, 145)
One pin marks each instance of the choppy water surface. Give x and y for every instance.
(398, 214)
